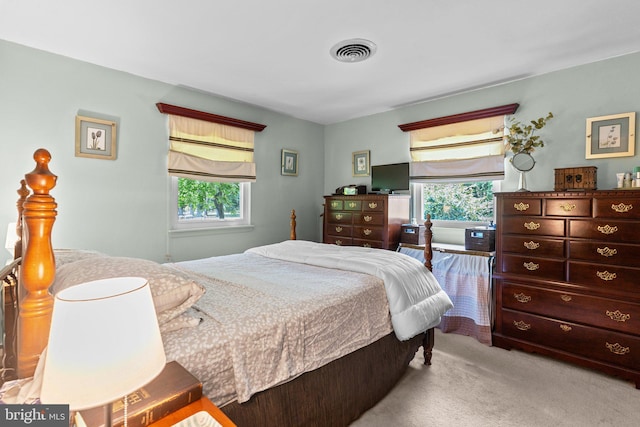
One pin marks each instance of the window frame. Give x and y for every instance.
(210, 224)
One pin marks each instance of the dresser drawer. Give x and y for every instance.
(601, 312)
(605, 277)
(541, 268)
(534, 246)
(521, 206)
(568, 207)
(592, 343)
(339, 230)
(619, 207)
(373, 205)
(340, 217)
(367, 243)
(533, 226)
(605, 252)
(372, 233)
(368, 218)
(337, 240)
(610, 231)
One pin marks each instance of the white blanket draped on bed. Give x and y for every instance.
(416, 300)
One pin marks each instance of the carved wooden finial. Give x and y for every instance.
(292, 236)
(41, 180)
(428, 237)
(23, 192)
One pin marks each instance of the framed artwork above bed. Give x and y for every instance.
(95, 138)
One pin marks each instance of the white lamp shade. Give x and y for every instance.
(104, 343)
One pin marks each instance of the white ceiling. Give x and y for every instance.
(275, 53)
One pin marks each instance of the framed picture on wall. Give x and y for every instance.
(611, 136)
(360, 163)
(289, 162)
(95, 138)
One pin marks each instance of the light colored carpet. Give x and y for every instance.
(471, 384)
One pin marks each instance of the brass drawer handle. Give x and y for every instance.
(531, 266)
(531, 245)
(521, 206)
(368, 218)
(373, 205)
(367, 232)
(606, 251)
(352, 204)
(338, 229)
(618, 349)
(521, 325)
(366, 245)
(522, 298)
(531, 225)
(622, 208)
(605, 275)
(335, 204)
(618, 316)
(566, 328)
(607, 229)
(567, 207)
(338, 242)
(338, 216)
(566, 298)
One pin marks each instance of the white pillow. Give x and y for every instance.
(172, 293)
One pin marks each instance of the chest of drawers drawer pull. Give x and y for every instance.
(521, 206)
(607, 229)
(352, 205)
(531, 225)
(522, 325)
(607, 251)
(567, 207)
(367, 232)
(531, 266)
(336, 204)
(565, 298)
(339, 217)
(617, 349)
(366, 245)
(618, 316)
(622, 208)
(339, 229)
(531, 245)
(605, 275)
(339, 242)
(565, 328)
(368, 218)
(373, 205)
(522, 298)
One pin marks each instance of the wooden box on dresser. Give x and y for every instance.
(370, 220)
(568, 277)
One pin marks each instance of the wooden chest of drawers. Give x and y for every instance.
(568, 277)
(365, 220)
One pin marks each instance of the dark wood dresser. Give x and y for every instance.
(370, 220)
(568, 277)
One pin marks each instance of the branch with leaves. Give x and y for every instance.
(522, 138)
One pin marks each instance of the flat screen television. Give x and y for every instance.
(390, 178)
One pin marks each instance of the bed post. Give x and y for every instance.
(292, 234)
(23, 192)
(38, 265)
(428, 237)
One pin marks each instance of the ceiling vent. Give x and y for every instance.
(353, 50)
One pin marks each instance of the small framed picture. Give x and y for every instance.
(611, 136)
(360, 163)
(95, 138)
(289, 162)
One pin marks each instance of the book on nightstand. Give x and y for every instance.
(173, 389)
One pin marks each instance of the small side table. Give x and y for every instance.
(204, 404)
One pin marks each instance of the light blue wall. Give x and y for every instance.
(120, 207)
(573, 95)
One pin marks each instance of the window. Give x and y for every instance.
(203, 204)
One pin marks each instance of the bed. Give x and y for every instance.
(297, 348)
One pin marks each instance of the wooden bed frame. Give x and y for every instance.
(335, 394)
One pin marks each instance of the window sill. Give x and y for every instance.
(194, 232)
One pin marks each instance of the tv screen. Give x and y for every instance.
(392, 177)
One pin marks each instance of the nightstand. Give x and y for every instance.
(203, 404)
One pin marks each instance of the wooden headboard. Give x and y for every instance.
(34, 267)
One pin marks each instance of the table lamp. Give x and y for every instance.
(104, 343)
